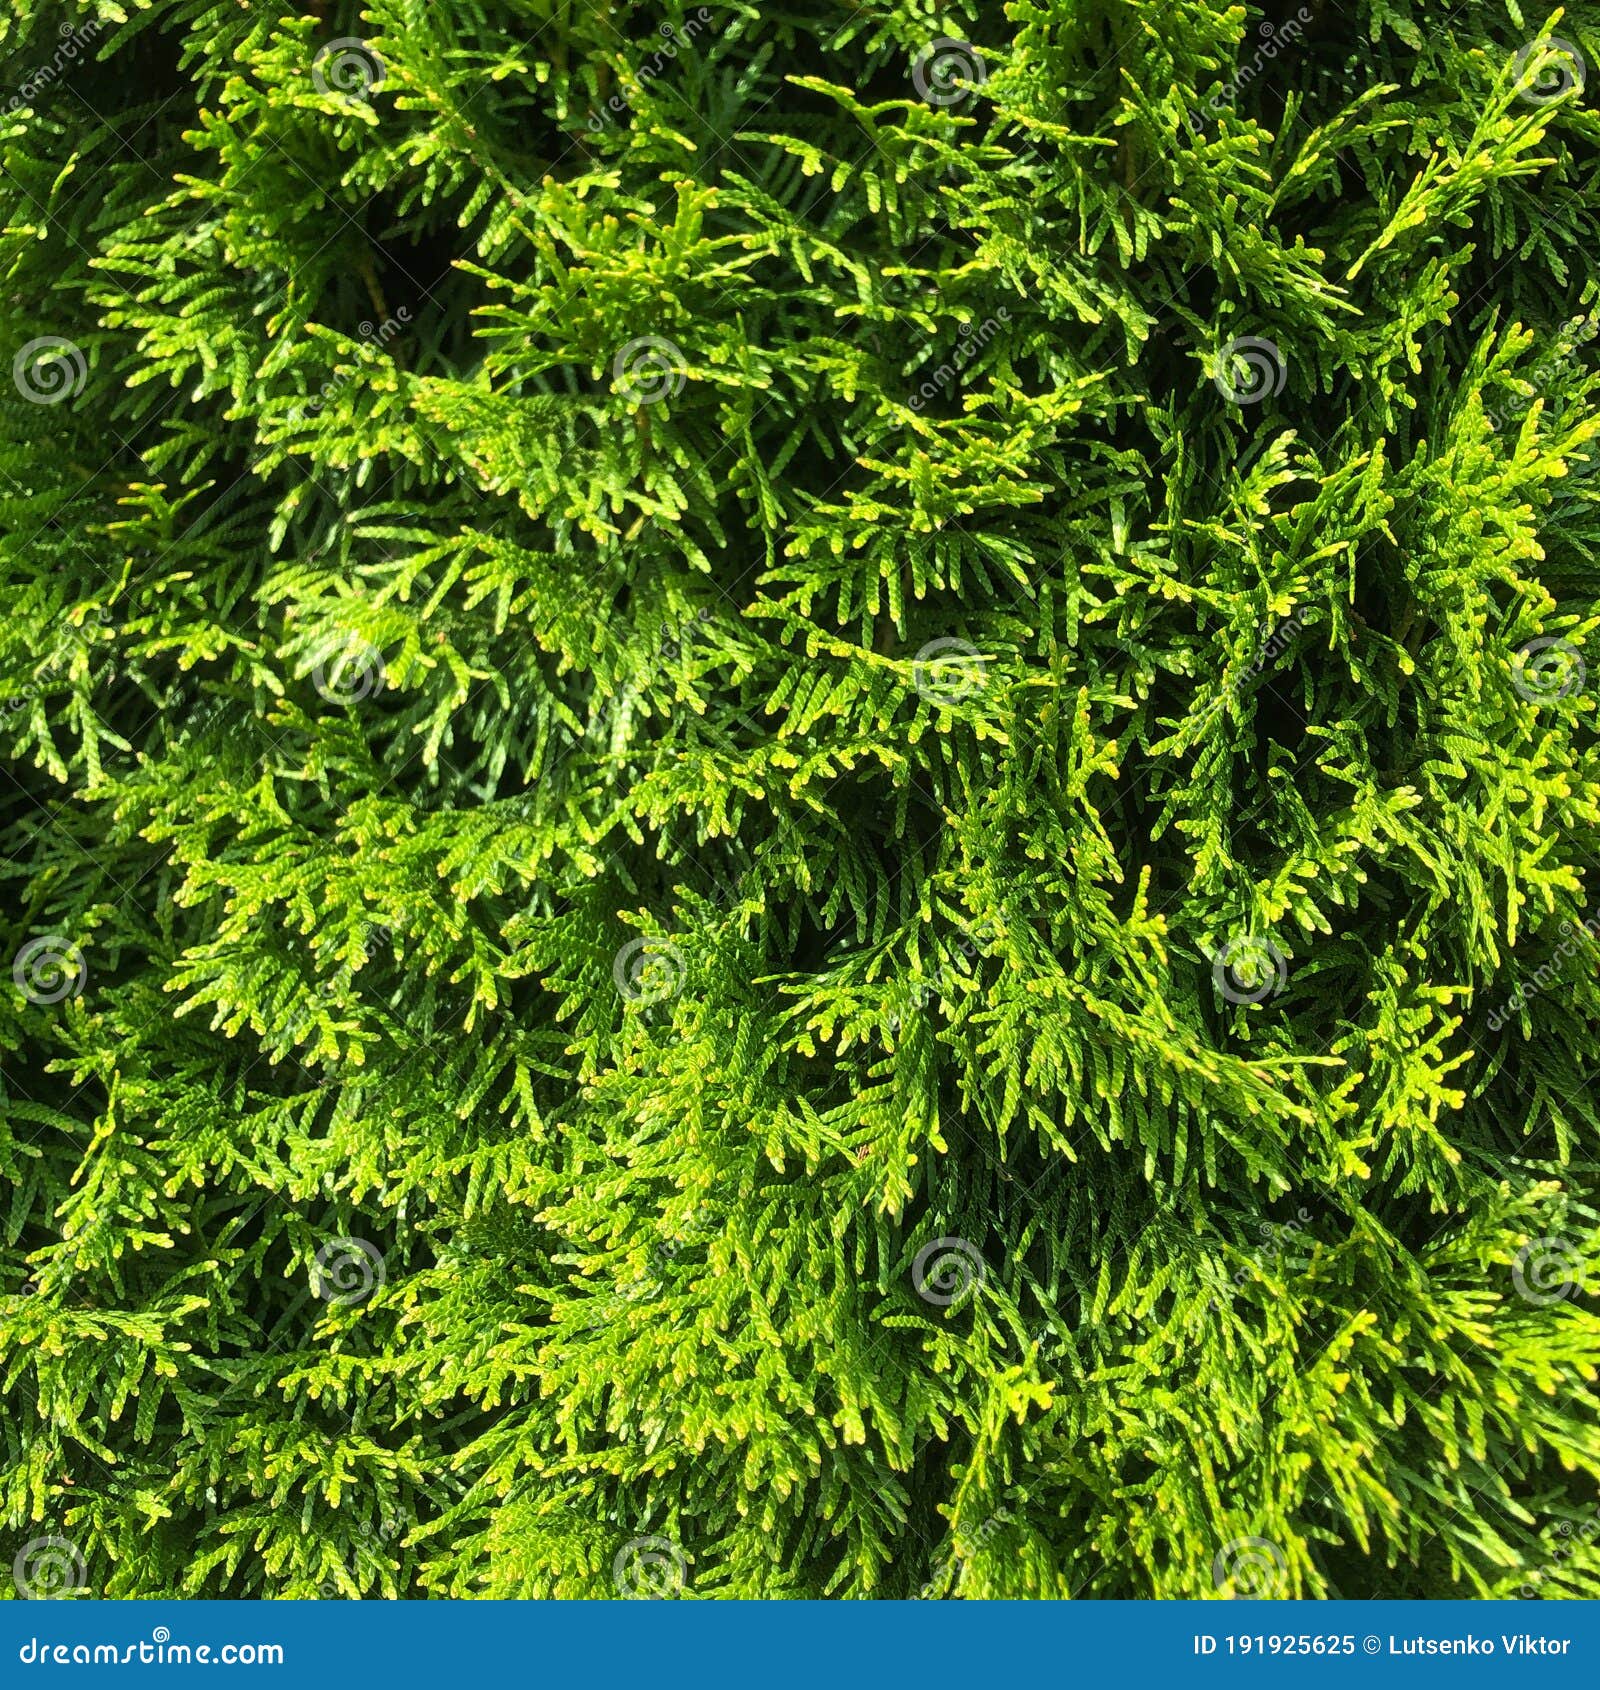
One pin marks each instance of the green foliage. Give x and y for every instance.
(817, 783)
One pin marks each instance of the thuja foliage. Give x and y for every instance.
(800, 800)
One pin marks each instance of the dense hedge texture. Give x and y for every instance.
(799, 800)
